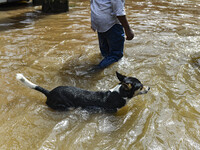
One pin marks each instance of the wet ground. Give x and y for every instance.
(57, 49)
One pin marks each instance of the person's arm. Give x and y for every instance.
(129, 33)
(119, 11)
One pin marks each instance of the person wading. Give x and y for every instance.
(108, 18)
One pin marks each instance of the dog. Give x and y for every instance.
(65, 98)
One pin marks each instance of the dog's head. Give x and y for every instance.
(130, 87)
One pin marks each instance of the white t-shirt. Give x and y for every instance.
(104, 13)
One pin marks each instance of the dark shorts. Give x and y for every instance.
(111, 45)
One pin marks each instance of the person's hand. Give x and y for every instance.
(129, 34)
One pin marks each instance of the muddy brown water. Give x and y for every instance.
(57, 49)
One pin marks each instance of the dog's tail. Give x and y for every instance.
(31, 85)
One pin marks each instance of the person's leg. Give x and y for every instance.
(104, 48)
(115, 39)
(103, 44)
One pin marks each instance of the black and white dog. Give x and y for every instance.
(67, 97)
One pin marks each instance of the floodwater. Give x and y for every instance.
(57, 49)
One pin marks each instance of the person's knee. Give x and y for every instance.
(118, 56)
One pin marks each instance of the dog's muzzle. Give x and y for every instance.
(145, 90)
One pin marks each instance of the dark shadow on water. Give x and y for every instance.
(20, 20)
(14, 6)
(82, 71)
(79, 75)
(195, 60)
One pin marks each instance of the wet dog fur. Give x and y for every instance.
(64, 98)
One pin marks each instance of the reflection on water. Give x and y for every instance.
(57, 49)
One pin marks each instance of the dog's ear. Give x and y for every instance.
(120, 76)
(127, 86)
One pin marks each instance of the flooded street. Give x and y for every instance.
(57, 49)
